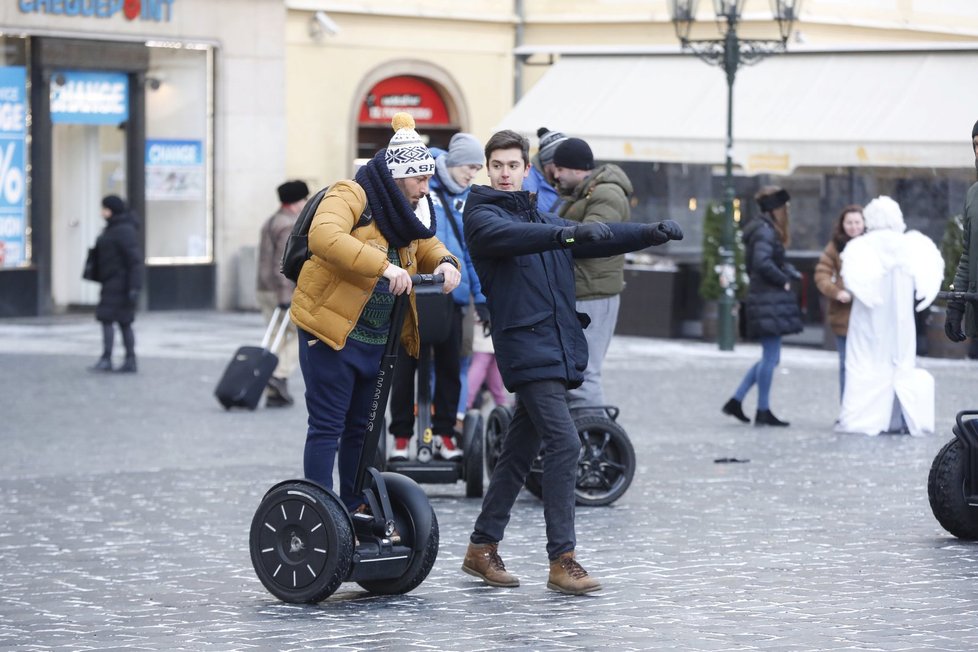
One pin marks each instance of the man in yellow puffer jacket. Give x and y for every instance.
(366, 240)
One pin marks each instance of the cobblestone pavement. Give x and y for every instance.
(125, 503)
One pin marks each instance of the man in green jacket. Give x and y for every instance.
(593, 195)
(966, 278)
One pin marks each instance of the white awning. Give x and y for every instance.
(880, 109)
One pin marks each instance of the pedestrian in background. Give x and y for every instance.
(828, 280)
(455, 170)
(887, 270)
(962, 318)
(366, 239)
(483, 370)
(525, 259)
(541, 179)
(119, 256)
(593, 194)
(274, 290)
(772, 308)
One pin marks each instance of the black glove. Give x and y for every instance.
(133, 297)
(664, 231)
(285, 305)
(482, 312)
(587, 232)
(952, 324)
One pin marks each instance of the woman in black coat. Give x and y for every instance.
(772, 309)
(119, 258)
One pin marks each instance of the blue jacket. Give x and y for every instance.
(547, 198)
(528, 280)
(469, 285)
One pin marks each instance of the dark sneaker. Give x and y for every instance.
(275, 401)
(567, 576)
(104, 364)
(767, 418)
(734, 408)
(400, 451)
(129, 366)
(280, 387)
(483, 561)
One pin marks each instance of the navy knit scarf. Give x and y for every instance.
(393, 213)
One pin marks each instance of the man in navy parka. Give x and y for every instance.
(525, 261)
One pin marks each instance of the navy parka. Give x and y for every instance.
(528, 279)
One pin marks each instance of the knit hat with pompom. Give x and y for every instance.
(406, 154)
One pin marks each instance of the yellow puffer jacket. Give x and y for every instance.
(345, 265)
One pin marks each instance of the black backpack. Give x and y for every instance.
(297, 248)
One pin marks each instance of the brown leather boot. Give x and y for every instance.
(567, 576)
(483, 560)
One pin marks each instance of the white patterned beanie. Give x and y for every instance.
(406, 154)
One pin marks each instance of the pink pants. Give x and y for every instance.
(483, 368)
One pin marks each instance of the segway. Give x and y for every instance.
(434, 326)
(606, 464)
(304, 543)
(952, 484)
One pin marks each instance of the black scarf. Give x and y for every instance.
(392, 211)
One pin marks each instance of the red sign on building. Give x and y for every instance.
(409, 94)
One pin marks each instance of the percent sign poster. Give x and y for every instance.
(13, 131)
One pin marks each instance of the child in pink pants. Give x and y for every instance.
(483, 368)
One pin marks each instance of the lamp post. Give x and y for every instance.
(730, 52)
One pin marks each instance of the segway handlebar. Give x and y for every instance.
(427, 279)
(958, 296)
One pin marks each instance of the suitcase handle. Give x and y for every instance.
(286, 320)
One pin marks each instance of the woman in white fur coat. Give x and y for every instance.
(890, 272)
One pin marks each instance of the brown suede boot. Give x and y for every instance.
(483, 560)
(567, 576)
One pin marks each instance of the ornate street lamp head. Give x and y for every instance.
(786, 13)
(683, 15)
(728, 10)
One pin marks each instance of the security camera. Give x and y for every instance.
(322, 24)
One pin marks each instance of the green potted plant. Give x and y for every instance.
(711, 283)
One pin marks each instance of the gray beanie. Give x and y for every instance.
(464, 149)
(548, 144)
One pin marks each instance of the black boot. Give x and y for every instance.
(104, 364)
(735, 409)
(129, 366)
(767, 418)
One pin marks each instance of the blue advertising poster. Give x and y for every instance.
(174, 170)
(89, 98)
(13, 131)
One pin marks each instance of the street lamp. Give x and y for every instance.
(729, 52)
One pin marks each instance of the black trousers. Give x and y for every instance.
(448, 384)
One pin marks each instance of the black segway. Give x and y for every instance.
(606, 464)
(952, 484)
(434, 327)
(303, 541)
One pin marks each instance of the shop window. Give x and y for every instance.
(179, 214)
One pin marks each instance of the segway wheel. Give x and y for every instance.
(415, 521)
(496, 428)
(605, 467)
(945, 489)
(472, 448)
(301, 542)
(607, 463)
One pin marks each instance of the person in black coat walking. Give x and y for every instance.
(772, 309)
(120, 271)
(525, 261)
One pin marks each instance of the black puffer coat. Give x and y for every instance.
(120, 268)
(528, 280)
(771, 309)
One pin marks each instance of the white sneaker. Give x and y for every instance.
(447, 448)
(401, 447)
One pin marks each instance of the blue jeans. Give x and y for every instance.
(541, 411)
(339, 386)
(762, 373)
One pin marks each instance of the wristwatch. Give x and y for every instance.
(450, 260)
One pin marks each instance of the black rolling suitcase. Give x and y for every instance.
(247, 374)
